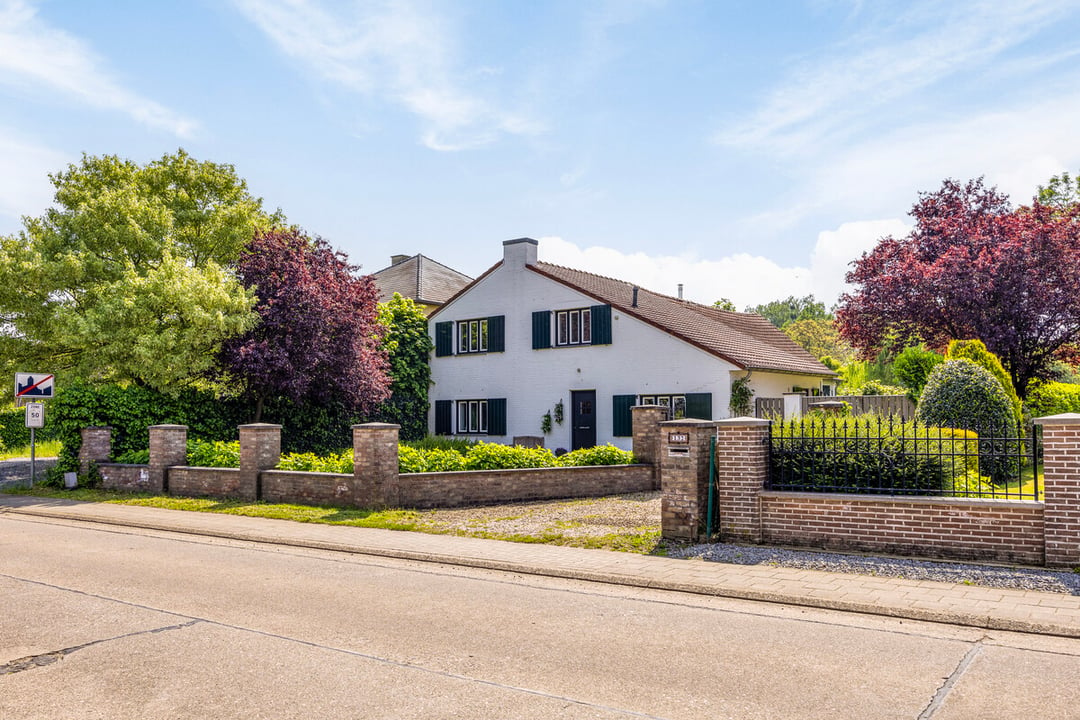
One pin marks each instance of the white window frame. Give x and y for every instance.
(573, 327)
(472, 336)
(472, 417)
(675, 404)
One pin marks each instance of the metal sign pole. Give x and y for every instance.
(33, 464)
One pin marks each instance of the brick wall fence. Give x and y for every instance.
(1021, 531)
(375, 481)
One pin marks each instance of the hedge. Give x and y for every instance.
(875, 457)
(1053, 398)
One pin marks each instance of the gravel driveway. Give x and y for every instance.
(639, 514)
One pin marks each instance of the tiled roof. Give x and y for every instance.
(746, 339)
(421, 279)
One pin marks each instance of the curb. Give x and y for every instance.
(907, 612)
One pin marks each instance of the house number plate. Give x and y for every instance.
(678, 438)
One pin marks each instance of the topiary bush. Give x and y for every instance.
(976, 351)
(962, 394)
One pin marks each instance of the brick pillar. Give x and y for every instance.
(96, 447)
(260, 449)
(375, 465)
(742, 463)
(168, 448)
(1061, 489)
(646, 421)
(684, 471)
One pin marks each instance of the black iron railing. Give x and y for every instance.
(888, 456)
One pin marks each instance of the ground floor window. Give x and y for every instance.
(675, 404)
(472, 417)
(688, 405)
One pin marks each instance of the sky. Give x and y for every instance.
(747, 150)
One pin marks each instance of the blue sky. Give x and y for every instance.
(747, 150)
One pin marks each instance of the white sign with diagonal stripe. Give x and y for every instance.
(37, 386)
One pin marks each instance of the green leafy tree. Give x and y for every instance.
(913, 366)
(125, 278)
(724, 304)
(408, 348)
(1062, 192)
(820, 338)
(782, 312)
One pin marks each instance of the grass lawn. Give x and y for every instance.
(49, 448)
(1025, 486)
(643, 540)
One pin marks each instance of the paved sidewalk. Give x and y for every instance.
(992, 608)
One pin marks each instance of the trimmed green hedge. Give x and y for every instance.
(479, 456)
(1053, 398)
(15, 434)
(844, 456)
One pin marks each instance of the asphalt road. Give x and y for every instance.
(110, 622)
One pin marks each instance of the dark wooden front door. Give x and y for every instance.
(583, 418)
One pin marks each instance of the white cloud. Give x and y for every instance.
(24, 185)
(827, 101)
(37, 57)
(392, 50)
(835, 250)
(1015, 149)
(743, 278)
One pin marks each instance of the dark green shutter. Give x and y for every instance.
(444, 339)
(496, 416)
(601, 324)
(497, 333)
(444, 411)
(541, 329)
(622, 419)
(699, 405)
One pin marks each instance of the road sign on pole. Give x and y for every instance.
(35, 415)
(37, 386)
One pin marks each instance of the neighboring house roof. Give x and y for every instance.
(420, 278)
(747, 340)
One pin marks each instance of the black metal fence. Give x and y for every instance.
(890, 456)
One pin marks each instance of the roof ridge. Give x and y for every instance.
(658, 294)
(422, 257)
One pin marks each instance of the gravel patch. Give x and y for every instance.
(640, 512)
(998, 576)
(590, 517)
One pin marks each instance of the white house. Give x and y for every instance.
(529, 338)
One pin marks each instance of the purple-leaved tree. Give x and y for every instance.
(317, 339)
(973, 268)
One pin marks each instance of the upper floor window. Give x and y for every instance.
(472, 336)
(573, 327)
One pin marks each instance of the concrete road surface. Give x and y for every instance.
(112, 622)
